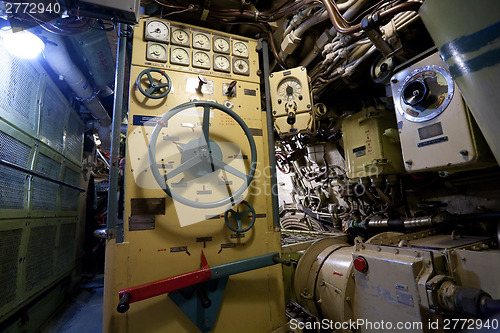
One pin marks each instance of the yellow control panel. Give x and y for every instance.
(197, 179)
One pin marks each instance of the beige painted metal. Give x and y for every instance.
(371, 144)
(253, 301)
(298, 101)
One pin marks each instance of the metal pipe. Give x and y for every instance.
(39, 175)
(115, 135)
(270, 135)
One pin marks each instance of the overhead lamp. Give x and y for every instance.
(22, 44)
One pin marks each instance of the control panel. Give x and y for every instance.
(197, 187)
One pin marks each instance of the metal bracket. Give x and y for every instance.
(371, 27)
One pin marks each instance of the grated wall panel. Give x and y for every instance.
(66, 254)
(40, 256)
(48, 167)
(52, 117)
(10, 241)
(19, 88)
(74, 138)
(69, 199)
(44, 194)
(14, 151)
(11, 188)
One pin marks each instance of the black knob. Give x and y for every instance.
(415, 92)
(202, 295)
(291, 118)
(123, 306)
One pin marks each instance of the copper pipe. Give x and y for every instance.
(344, 28)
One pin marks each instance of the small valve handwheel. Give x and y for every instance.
(156, 89)
(238, 216)
(282, 163)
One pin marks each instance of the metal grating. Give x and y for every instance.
(19, 88)
(66, 254)
(74, 137)
(52, 117)
(11, 188)
(14, 151)
(10, 241)
(40, 256)
(69, 199)
(48, 167)
(44, 194)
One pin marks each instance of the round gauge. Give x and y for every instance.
(221, 63)
(241, 67)
(180, 37)
(157, 30)
(201, 59)
(240, 49)
(289, 89)
(179, 56)
(201, 41)
(157, 52)
(382, 70)
(221, 45)
(425, 93)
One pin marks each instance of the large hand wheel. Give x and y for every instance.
(238, 217)
(206, 156)
(154, 90)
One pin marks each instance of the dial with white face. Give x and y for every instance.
(221, 45)
(201, 59)
(221, 63)
(156, 52)
(240, 66)
(180, 37)
(201, 41)
(240, 49)
(156, 30)
(179, 56)
(289, 89)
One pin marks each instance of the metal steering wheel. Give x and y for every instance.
(238, 216)
(204, 157)
(154, 89)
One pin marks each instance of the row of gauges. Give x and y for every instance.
(200, 59)
(159, 31)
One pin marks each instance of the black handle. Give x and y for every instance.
(123, 304)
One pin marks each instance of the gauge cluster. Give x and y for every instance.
(183, 46)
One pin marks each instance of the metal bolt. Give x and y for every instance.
(464, 152)
(274, 112)
(308, 106)
(259, 72)
(394, 80)
(409, 162)
(271, 75)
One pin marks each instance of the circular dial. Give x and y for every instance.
(222, 63)
(179, 56)
(180, 37)
(157, 51)
(425, 93)
(289, 89)
(157, 30)
(221, 45)
(201, 41)
(200, 162)
(241, 66)
(240, 49)
(201, 59)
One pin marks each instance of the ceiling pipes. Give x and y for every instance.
(57, 56)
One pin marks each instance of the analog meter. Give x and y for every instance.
(180, 37)
(241, 66)
(156, 52)
(157, 30)
(289, 89)
(222, 63)
(179, 55)
(201, 59)
(201, 41)
(240, 49)
(221, 45)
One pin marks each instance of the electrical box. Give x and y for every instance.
(371, 144)
(197, 191)
(126, 11)
(436, 129)
(292, 102)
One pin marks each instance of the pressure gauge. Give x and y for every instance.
(289, 89)
(201, 59)
(221, 45)
(241, 66)
(201, 41)
(156, 52)
(157, 30)
(179, 55)
(180, 37)
(240, 49)
(222, 63)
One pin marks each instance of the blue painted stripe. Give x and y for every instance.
(472, 42)
(487, 59)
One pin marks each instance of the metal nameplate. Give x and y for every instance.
(147, 206)
(179, 249)
(141, 222)
(203, 239)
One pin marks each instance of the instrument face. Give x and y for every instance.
(289, 89)
(157, 30)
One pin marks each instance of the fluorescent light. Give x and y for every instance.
(22, 44)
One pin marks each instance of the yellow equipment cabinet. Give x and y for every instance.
(197, 185)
